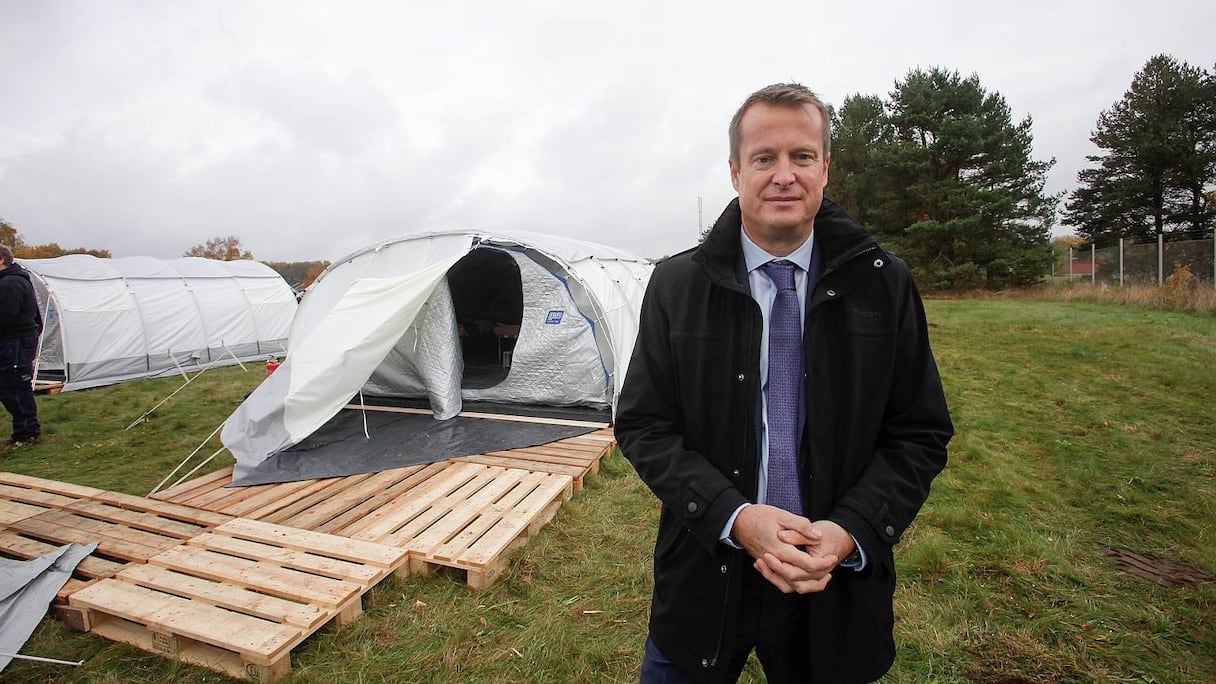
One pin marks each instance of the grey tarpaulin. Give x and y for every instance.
(27, 588)
(397, 440)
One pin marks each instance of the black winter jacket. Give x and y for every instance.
(876, 432)
(19, 315)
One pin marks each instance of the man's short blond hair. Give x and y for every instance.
(781, 95)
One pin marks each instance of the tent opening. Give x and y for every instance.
(488, 299)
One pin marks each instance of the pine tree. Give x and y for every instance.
(1158, 158)
(950, 183)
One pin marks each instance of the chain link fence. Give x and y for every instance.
(1128, 263)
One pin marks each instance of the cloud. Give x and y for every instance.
(310, 130)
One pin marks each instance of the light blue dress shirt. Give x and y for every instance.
(764, 292)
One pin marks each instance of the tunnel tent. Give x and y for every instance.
(522, 322)
(111, 320)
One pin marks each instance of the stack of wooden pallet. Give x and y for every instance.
(231, 594)
(233, 578)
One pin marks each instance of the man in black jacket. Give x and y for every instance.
(20, 326)
(808, 582)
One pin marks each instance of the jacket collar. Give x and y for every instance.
(837, 239)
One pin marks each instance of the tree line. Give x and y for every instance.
(298, 274)
(944, 177)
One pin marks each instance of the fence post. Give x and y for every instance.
(1160, 258)
(1093, 263)
(1070, 263)
(1120, 262)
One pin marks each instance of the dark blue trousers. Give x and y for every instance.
(774, 624)
(17, 385)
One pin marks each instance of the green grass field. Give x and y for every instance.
(1080, 427)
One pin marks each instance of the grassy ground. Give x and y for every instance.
(1081, 426)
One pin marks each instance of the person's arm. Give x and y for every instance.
(648, 426)
(911, 446)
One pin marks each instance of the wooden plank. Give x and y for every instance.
(260, 640)
(364, 499)
(304, 499)
(600, 438)
(47, 386)
(563, 458)
(182, 493)
(406, 508)
(586, 454)
(487, 518)
(353, 522)
(223, 498)
(119, 542)
(191, 651)
(500, 537)
(302, 615)
(164, 509)
(281, 582)
(341, 497)
(575, 472)
(35, 496)
(313, 564)
(12, 511)
(437, 518)
(63, 488)
(464, 508)
(25, 548)
(272, 497)
(334, 546)
(135, 519)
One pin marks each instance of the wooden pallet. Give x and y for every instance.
(233, 578)
(574, 456)
(467, 516)
(238, 598)
(38, 515)
(47, 386)
(467, 513)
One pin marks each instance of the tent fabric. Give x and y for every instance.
(384, 321)
(27, 589)
(110, 320)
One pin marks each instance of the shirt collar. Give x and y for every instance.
(755, 257)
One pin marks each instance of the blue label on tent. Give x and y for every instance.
(554, 317)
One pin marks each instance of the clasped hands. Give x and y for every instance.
(793, 553)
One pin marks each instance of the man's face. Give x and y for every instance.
(780, 174)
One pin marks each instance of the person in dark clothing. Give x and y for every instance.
(783, 404)
(20, 327)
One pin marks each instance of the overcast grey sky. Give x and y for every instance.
(310, 130)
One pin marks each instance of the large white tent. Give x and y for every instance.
(110, 320)
(450, 317)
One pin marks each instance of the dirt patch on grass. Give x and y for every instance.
(1162, 572)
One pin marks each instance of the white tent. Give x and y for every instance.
(450, 317)
(110, 320)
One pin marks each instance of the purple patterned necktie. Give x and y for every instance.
(784, 388)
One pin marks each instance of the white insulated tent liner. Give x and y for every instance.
(111, 320)
(447, 317)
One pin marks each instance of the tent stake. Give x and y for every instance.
(36, 659)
